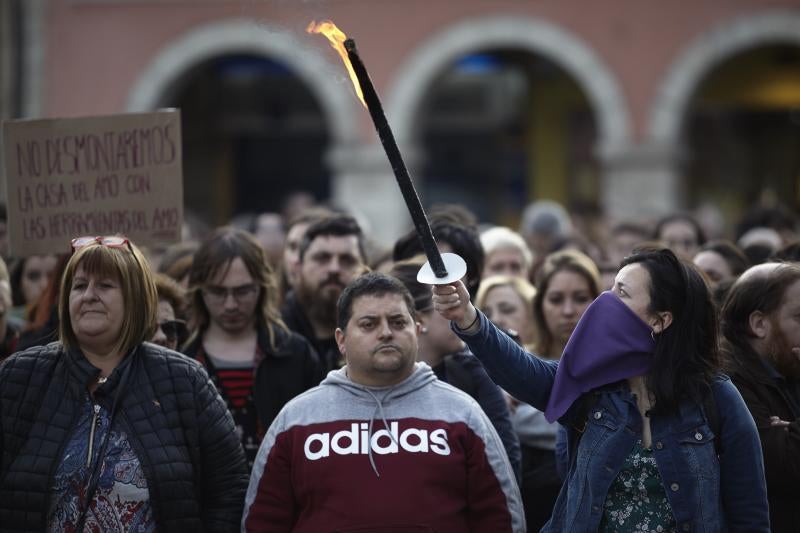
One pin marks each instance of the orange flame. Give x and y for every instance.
(337, 38)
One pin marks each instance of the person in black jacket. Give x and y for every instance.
(255, 361)
(104, 431)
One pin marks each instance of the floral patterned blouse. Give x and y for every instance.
(636, 500)
(122, 500)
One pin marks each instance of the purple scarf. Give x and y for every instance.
(610, 343)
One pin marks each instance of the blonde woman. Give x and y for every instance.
(508, 302)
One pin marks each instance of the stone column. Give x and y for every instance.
(363, 182)
(21, 63)
(642, 182)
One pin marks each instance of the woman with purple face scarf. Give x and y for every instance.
(658, 440)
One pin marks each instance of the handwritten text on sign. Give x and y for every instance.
(93, 176)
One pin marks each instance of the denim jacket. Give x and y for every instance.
(706, 492)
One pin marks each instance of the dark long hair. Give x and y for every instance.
(215, 255)
(686, 356)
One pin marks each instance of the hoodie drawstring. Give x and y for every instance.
(378, 409)
(419, 378)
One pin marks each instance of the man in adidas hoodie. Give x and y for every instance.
(381, 444)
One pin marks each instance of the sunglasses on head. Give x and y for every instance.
(112, 241)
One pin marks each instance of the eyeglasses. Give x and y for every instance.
(113, 241)
(242, 293)
(172, 329)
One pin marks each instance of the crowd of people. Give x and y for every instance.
(290, 373)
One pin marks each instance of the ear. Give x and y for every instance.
(421, 329)
(663, 321)
(759, 324)
(339, 335)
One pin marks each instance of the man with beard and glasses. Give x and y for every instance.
(331, 256)
(761, 328)
(254, 360)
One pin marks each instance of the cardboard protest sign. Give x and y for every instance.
(66, 178)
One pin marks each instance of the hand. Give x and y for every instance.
(775, 421)
(452, 302)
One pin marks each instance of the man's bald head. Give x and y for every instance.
(759, 272)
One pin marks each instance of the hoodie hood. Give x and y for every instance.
(420, 376)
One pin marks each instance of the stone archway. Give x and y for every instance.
(661, 155)
(701, 56)
(536, 36)
(246, 36)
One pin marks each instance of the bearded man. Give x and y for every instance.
(331, 256)
(761, 328)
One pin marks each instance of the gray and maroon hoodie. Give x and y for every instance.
(418, 456)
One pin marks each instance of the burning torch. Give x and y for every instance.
(440, 269)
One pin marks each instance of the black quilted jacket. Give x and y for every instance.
(175, 419)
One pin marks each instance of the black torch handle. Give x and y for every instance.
(396, 160)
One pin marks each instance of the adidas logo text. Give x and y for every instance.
(357, 439)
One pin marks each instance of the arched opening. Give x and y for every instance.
(253, 132)
(743, 131)
(501, 127)
(182, 64)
